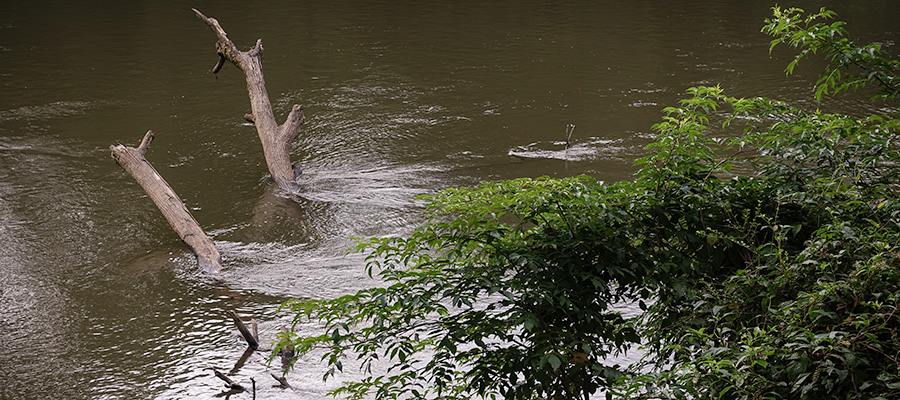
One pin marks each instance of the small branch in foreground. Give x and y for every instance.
(570, 128)
(281, 380)
(252, 340)
(230, 383)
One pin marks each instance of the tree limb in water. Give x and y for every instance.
(230, 383)
(276, 139)
(252, 340)
(170, 205)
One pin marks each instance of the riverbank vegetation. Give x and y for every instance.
(758, 239)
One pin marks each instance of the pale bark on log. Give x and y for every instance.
(170, 205)
(276, 139)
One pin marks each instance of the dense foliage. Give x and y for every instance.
(780, 281)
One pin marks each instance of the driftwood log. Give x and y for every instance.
(132, 161)
(276, 139)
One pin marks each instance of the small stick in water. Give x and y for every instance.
(252, 340)
(282, 380)
(229, 383)
(570, 128)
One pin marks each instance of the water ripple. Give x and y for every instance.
(56, 109)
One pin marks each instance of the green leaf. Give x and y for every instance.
(554, 361)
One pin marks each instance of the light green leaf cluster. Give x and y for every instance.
(849, 66)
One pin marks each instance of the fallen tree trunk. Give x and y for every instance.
(276, 139)
(170, 205)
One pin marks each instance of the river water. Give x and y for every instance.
(98, 297)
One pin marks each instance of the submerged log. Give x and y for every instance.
(276, 139)
(170, 205)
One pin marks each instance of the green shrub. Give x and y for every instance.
(780, 282)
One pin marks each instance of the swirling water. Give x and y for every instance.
(99, 299)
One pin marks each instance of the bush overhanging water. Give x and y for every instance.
(779, 282)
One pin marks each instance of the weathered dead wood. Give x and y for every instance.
(252, 338)
(276, 139)
(170, 205)
(230, 383)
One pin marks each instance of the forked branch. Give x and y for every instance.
(276, 139)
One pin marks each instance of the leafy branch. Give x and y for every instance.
(861, 64)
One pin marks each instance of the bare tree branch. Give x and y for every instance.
(170, 205)
(276, 140)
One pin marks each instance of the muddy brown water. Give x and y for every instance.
(99, 299)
